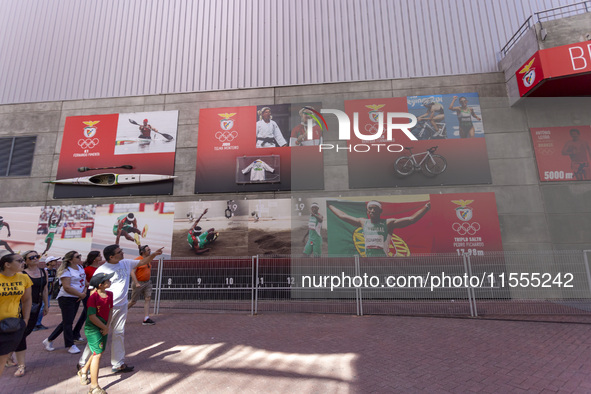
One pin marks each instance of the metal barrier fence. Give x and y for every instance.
(547, 283)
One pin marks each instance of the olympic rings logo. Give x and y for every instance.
(88, 143)
(466, 228)
(226, 136)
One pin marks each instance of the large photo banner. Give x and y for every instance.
(563, 153)
(258, 148)
(117, 155)
(450, 147)
(399, 226)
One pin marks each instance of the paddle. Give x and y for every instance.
(167, 136)
(126, 166)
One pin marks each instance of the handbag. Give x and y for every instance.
(11, 325)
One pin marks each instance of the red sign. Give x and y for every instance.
(563, 153)
(554, 62)
(530, 74)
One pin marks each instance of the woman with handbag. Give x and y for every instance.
(39, 296)
(15, 290)
(73, 290)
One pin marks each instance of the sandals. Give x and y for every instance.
(10, 362)
(84, 380)
(20, 371)
(96, 390)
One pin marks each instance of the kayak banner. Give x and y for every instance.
(119, 144)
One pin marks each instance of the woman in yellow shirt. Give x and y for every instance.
(15, 288)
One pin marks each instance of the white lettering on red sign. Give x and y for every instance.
(579, 62)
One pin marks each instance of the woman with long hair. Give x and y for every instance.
(92, 262)
(39, 297)
(15, 304)
(74, 285)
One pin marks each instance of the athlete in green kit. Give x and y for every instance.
(125, 226)
(314, 244)
(52, 227)
(198, 239)
(377, 231)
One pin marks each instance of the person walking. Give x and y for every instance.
(121, 268)
(142, 285)
(15, 304)
(74, 284)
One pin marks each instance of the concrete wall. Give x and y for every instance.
(532, 215)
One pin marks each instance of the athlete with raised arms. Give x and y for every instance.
(377, 231)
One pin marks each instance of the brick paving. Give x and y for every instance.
(190, 352)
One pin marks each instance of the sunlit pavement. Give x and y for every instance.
(188, 352)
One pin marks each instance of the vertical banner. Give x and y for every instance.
(450, 147)
(562, 153)
(117, 155)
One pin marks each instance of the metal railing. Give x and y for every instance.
(546, 15)
(550, 283)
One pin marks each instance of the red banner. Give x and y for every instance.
(565, 60)
(563, 153)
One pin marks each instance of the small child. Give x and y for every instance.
(99, 314)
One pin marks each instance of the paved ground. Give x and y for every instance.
(187, 352)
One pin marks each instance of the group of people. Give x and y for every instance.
(24, 297)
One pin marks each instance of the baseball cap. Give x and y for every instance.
(99, 278)
(52, 258)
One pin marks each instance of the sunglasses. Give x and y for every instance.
(78, 256)
(33, 257)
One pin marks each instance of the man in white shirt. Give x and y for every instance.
(115, 263)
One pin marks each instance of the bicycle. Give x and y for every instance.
(424, 130)
(431, 164)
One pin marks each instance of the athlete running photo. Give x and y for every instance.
(465, 115)
(52, 227)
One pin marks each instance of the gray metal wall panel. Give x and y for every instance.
(68, 49)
